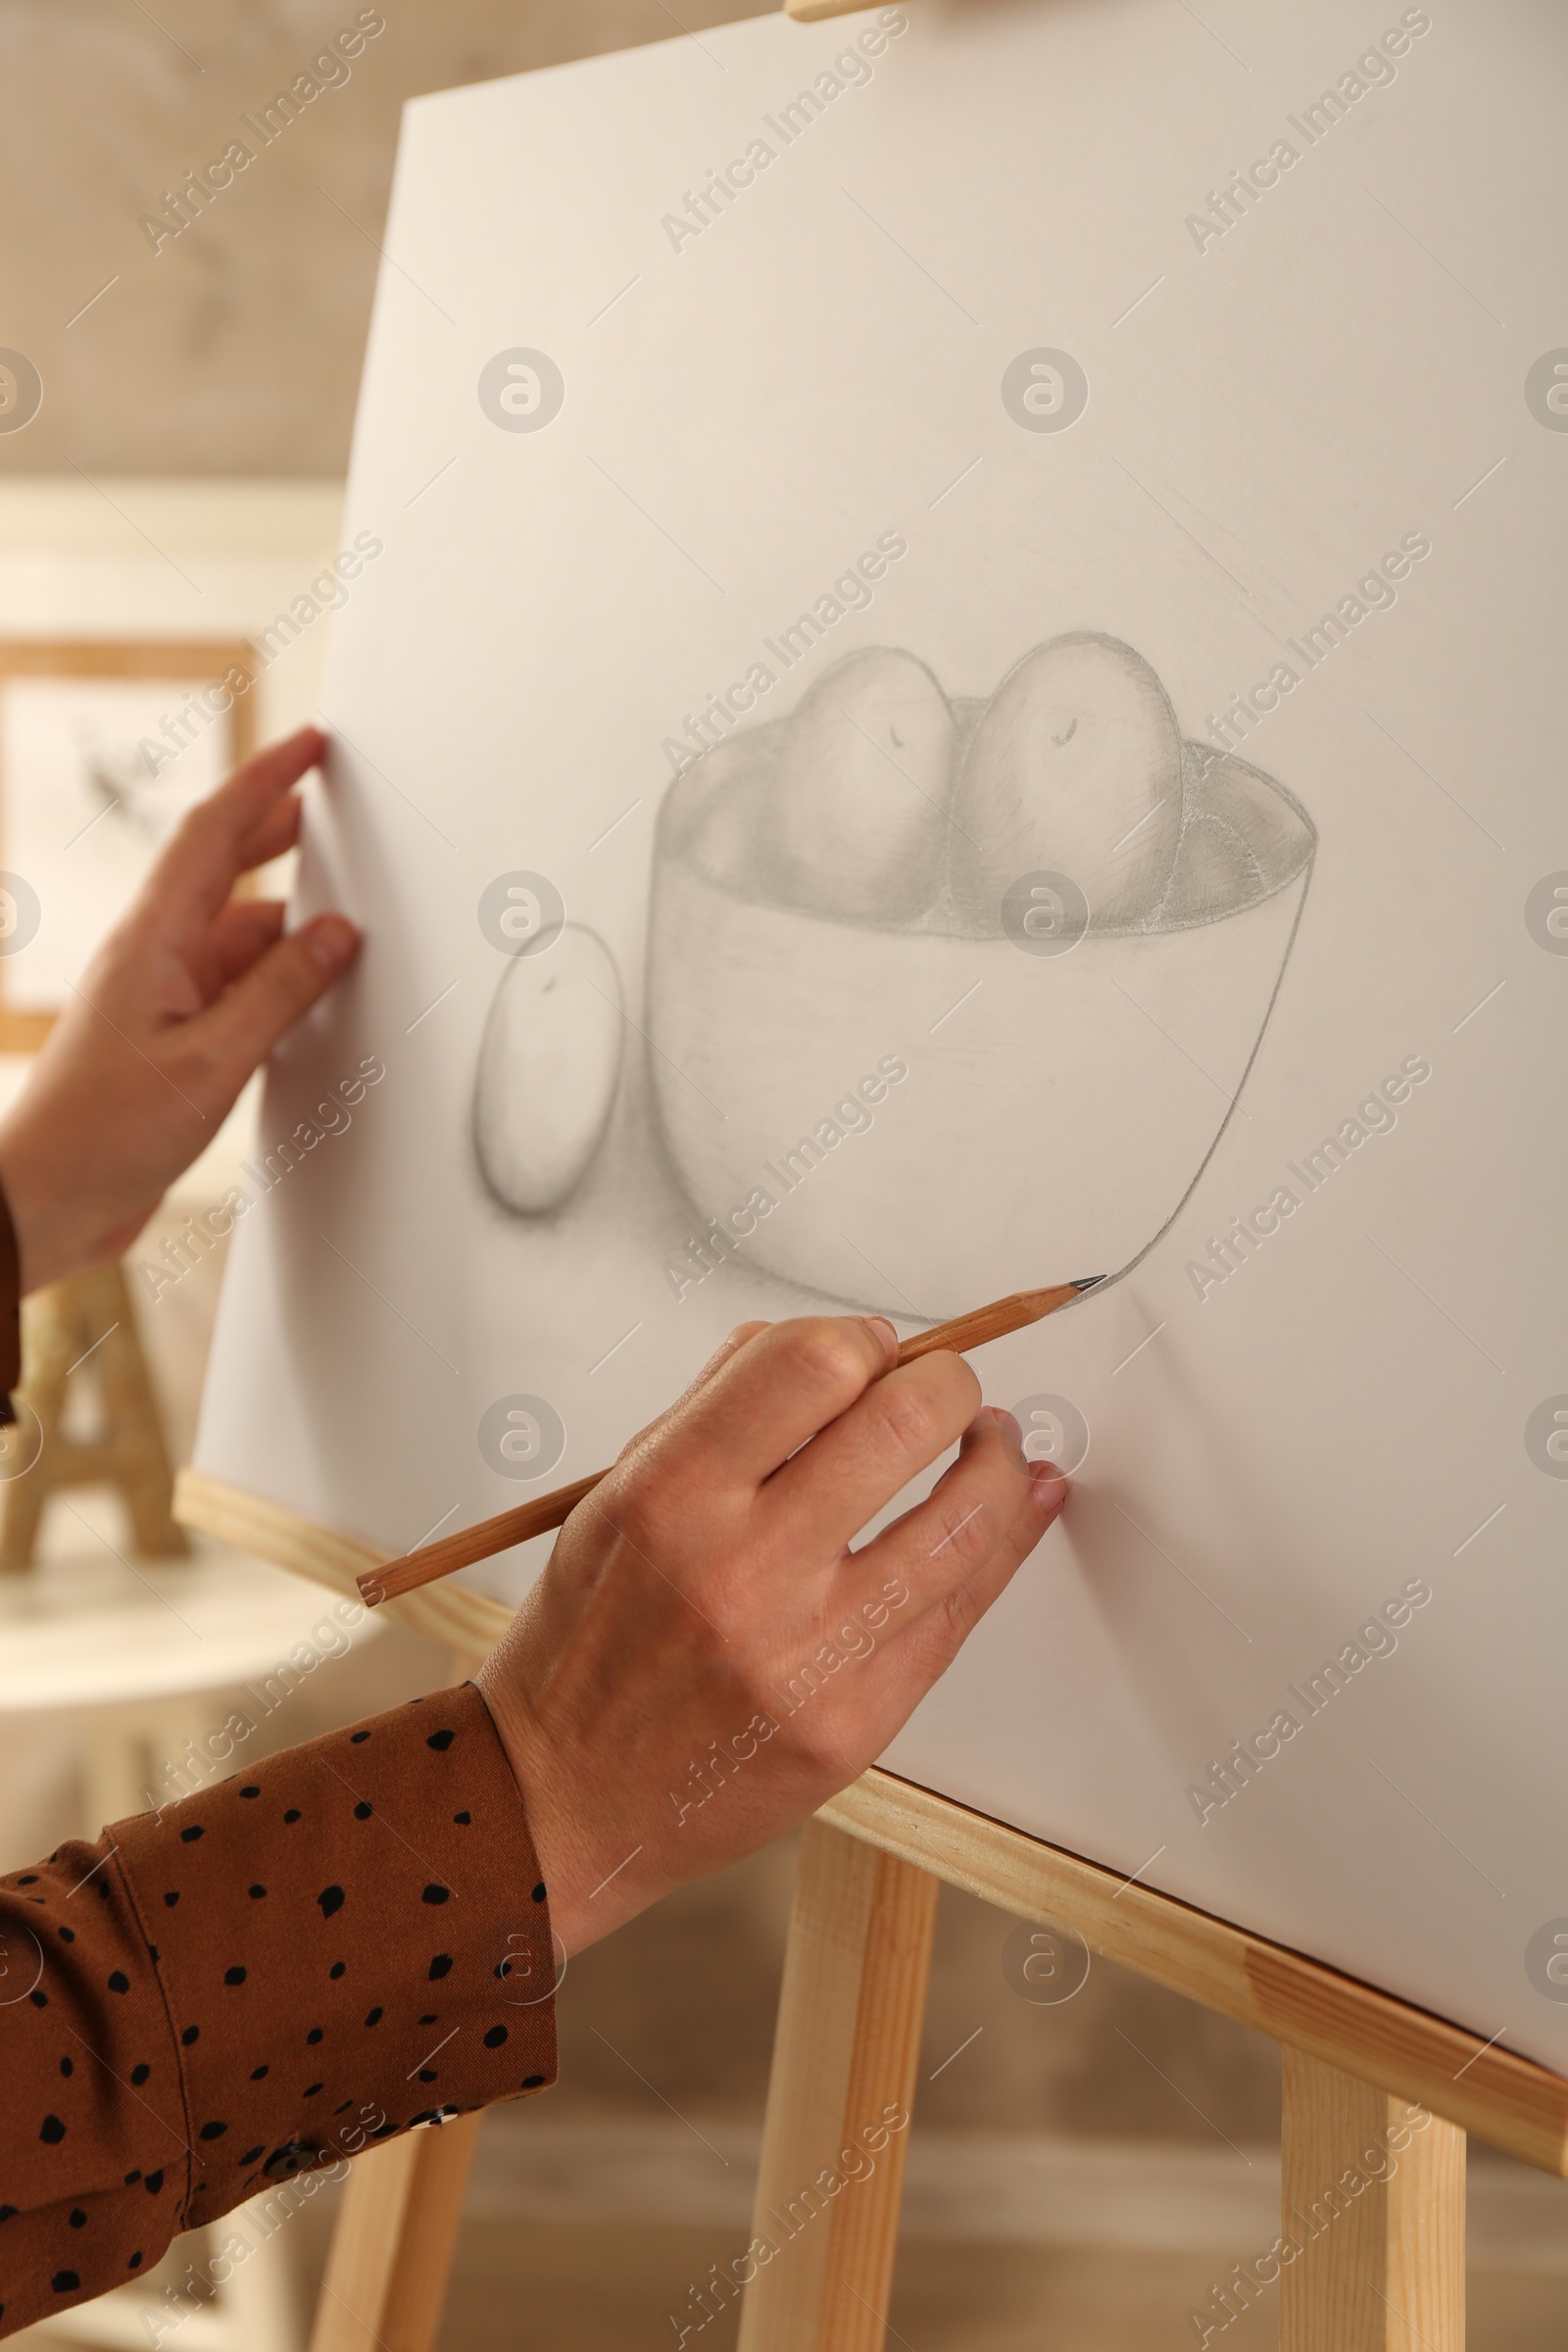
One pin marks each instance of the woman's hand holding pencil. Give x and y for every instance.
(704, 1659)
(525, 1520)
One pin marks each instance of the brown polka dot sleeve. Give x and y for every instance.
(349, 1938)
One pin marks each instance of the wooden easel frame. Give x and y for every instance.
(1388, 2275)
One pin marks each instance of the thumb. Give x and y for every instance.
(282, 986)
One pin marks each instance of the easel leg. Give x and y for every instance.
(90, 1315)
(386, 2275)
(146, 1480)
(1381, 2224)
(47, 1335)
(848, 2043)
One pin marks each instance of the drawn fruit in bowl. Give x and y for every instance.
(854, 825)
(1075, 767)
(1058, 1104)
(549, 1060)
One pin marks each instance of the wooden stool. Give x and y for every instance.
(88, 1316)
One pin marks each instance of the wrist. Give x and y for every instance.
(42, 1251)
(56, 1233)
(61, 1214)
(557, 1819)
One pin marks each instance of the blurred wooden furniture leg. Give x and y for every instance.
(257, 2308)
(386, 2276)
(848, 2039)
(90, 1316)
(1382, 2264)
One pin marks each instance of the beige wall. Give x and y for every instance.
(235, 349)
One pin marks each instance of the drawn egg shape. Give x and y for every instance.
(854, 820)
(549, 1063)
(1074, 768)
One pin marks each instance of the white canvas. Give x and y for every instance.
(997, 336)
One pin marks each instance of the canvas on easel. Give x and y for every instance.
(921, 729)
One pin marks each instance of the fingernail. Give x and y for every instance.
(330, 941)
(1046, 1482)
(885, 1333)
(1000, 1413)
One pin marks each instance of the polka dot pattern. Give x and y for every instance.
(285, 2018)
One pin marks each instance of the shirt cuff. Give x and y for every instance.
(350, 1940)
(230, 1996)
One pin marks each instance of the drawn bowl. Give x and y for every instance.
(1055, 1109)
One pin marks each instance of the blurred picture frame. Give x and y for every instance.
(104, 745)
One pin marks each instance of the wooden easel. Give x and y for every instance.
(1387, 2275)
(86, 1324)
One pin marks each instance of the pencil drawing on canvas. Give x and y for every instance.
(1000, 964)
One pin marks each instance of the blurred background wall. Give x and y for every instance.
(1081, 2175)
(233, 349)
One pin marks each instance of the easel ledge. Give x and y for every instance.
(449, 1613)
(1407, 2052)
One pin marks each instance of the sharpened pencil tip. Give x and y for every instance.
(1088, 1282)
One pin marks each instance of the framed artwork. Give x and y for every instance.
(104, 745)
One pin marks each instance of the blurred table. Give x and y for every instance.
(146, 1655)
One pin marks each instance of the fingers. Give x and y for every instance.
(240, 932)
(715, 1363)
(722, 1353)
(720, 1357)
(959, 1548)
(770, 1394)
(244, 1025)
(218, 839)
(277, 833)
(891, 1434)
